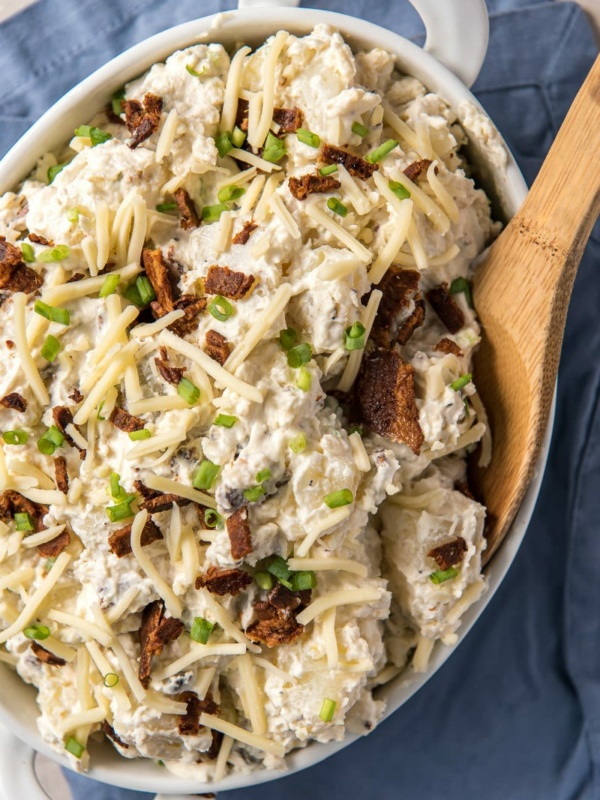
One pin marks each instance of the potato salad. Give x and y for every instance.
(236, 331)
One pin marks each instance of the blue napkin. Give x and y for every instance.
(515, 713)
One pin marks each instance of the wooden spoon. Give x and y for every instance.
(521, 293)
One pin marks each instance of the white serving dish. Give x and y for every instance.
(457, 37)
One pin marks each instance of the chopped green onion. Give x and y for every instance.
(133, 295)
(399, 190)
(287, 338)
(74, 747)
(461, 382)
(307, 137)
(49, 564)
(212, 519)
(60, 315)
(54, 170)
(24, 521)
(36, 631)
(301, 354)
(220, 308)
(111, 679)
(205, 475)
(225, 420)
(213, 213)
(359, 129)
(355, 429)
(193, 72)
(145, 289)
(201, 630)
(97, 135)
(278, 567)
(298, 443)
(137, 436)
(328, 170)
(120, 511)
(274, 149)
(73, 215)
(119, 95)
(223, 143)
(58, 253)
(462, 285)
(327, 709)
(230, 193)
(189, 391)
(333, 204)
(52, 439)
(467, 407)
(116, 490)
(15, 437)
(338, 499)
(254, 493)
(99, 416)
(382, 151)
(238, 137)
(165, 208)
(263, 475)
(264, 579)
(28, 253)
(109, 286)
(354, 336)
(304, 379)
(443, 575)
(303, 580)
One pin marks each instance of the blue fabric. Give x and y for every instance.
(515, 713)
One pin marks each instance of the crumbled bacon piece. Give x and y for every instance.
(119, 541)
(288, 119)
(146, 492)
(241, 117)
(238, 530)
(15, 275)
(385, 397)
(355, 165)
(191, 307)
(158, 275)
(125, 421)
(227, 282)
(61, 474)
(63, 417)
(282, 597)
(76, 276)
(37, 239)
(170, 374)
(446, 307)
(188, 216)
(274, 626)
(223, 581)
(413, 170)
(76, 396)
(242, 236)
(449, 554)
(189, 724)
(12, 503)
(156, 632)
(312, 184)
(446, 345)
(54, 547)
(45, 656)
(14, 401)
(163, 502)
(217, 346)
(110, 733)
(395, 321)
(142, 120)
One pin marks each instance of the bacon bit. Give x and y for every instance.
(188, 216)
(413, 170)
(110, 733)
(62, 476)
(241, 117)
(156, 632)
(274, 626)
(15, 275)
(385, 397)
(119, 541)
(168, 373)
(288, 119)
(217, 346)
(125, 421)
(163, 502)
(10, 344)
(142, 121)
(227, 283)
(37, 239)
(355, 165)
(146, 492)
(14, 401)
(449, 554)
(63, 417)
(189, 724)
(223, 581)
(242, 236)
(400, 289)
(446, 345)
(463, 488)
(446, 307)
(282, 597)
(76, 396)
(54, 547)
(77, 276)
(157, 272)
(312, 184)
(46, 657)
(238, 530)
(191, 307)
(12, 503)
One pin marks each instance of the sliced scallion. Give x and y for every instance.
(54, 170)
(132, 294)
(223, 143)
(298, 443)
(330, 169)
(263, 475)
(24, 521)
(116, 100)
(52, 439)
(213, 213)
(274, 149)
(205, 475)
(201, 630)
(39, 632)
(28, 253)
(120, 511)
(327, 709)
(343, 497)
(73, 215)
(225, 420)
(264, 579)
(443, 575)
(462, 286)
(359, 129)
(60, 315)
(58, 253)
(230, 193)
(303, 580)
(382, 151)
(299, 355)
(193, 72)
(288, 338)
(254, 493)
(166, 208)
(109, 286)
(304, 379)
(138, 436)
(461, 382)
(17, 436)
(117, 492)
(212, 519)
(220, 308)
(333, 204)
(74, 747)
(354, 336)
(308, 137)
(146, 290)
(111, 679)
(278, 567)
(399, 190)
(238, 137)
(189, 391)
